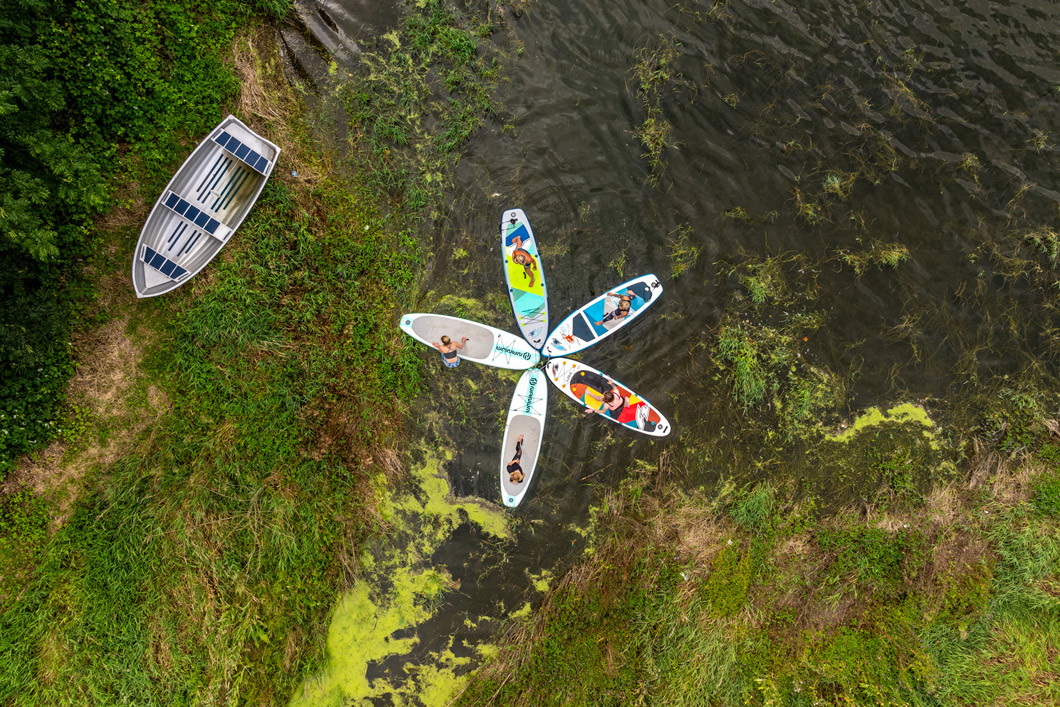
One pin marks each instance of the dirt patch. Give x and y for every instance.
(266, 104)
(108, 364)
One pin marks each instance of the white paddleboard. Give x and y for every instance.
(485, 344)
(601, 318)
(526, 419)
(586, 385)
(525, 276)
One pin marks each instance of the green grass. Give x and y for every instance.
(796, 610)
(204, 564)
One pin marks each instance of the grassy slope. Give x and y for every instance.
(200, 566)
(953, 599)
(219, 511)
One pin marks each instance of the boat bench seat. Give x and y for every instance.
(242, 152)
(196, 216)
(161, 263)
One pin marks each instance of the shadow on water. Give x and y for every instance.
(896, 157)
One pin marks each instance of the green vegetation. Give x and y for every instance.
(880, 254)
(656, 76)
(435, 68)
(756, 599)
(683, 252)
(94, 95)
(204, 559)
(765, 363)
(203, 562)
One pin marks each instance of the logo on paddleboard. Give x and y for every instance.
(525, 355)
(530, 396)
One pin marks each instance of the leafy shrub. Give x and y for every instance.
(88, 86)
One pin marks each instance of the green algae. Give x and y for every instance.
(906, 413)
(541, 581)
(487, 651)
(522, 612)
(366, 618)
(360, 633)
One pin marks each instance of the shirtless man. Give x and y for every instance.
(524, 258)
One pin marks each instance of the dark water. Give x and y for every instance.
(937, 118)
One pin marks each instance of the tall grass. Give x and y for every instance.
(754, 600)
(201, 567)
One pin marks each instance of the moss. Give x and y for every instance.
(730, 576)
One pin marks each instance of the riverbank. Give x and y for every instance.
(756, 596)
(188, 543)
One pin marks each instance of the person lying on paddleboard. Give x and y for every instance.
(625, 301)
(515, 470)
(448, 348)
(523, 258)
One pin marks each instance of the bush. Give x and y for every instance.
(87, 86)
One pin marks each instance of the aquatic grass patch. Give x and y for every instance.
(656, 76)
(766, 364)
(424, 89)
(683, 252)
(879, 253)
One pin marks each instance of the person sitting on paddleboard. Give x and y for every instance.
(515, 470)
(521, 257)
(625, 301)
(448, 348)
(617, 406)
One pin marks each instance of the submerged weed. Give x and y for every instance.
(879, 253)
(683, 253)
(655, 74)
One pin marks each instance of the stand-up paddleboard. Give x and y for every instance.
(522, 436)
(485, 344)
(603, 316)
(588, 386)
(525, 276)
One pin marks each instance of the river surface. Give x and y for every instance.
(807, 129)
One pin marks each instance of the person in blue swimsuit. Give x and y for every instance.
(448, 348)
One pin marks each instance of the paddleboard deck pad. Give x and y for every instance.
(485, 344)
(587, 386)
(600, 318)
(526, 418)
(525, 276)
